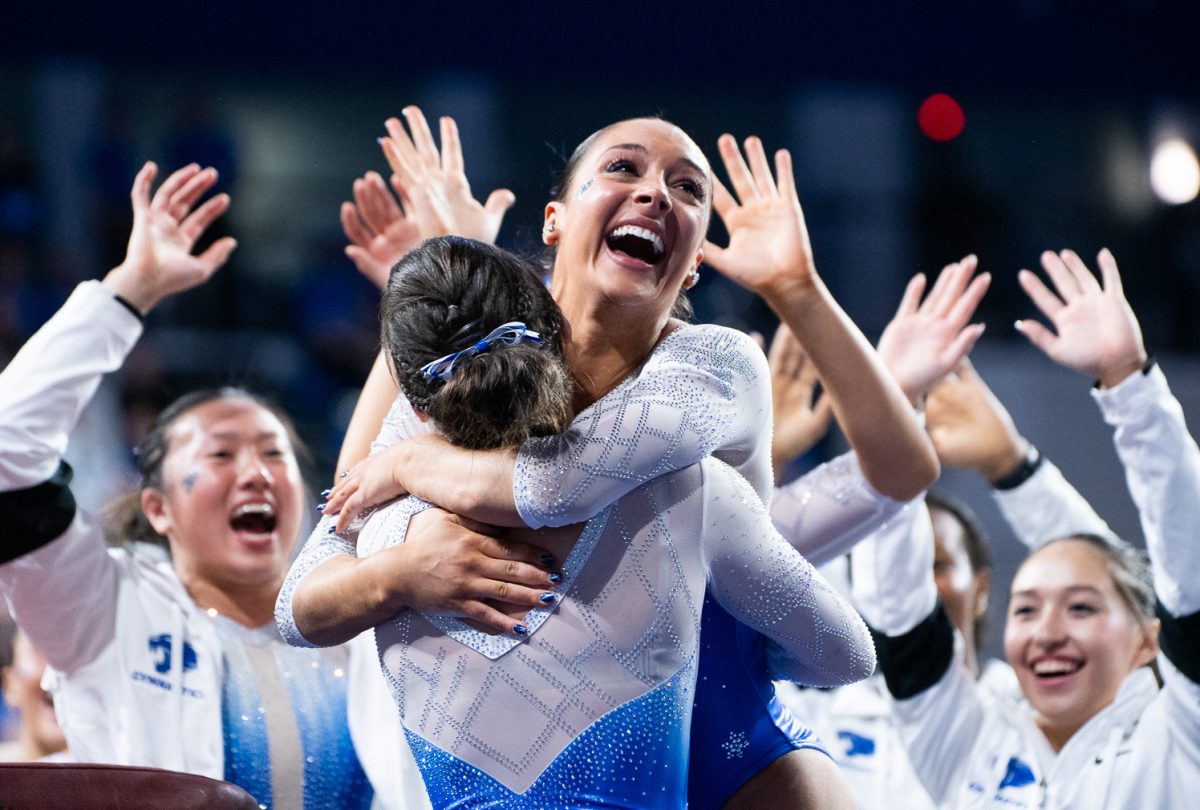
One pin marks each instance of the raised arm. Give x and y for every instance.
(1096, 333)
(769, 252)
(62, 591)
(824, 513)
(972, 430)
(800, 417)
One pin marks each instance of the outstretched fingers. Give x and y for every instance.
(422, 136)
(213, 258)
(198, 221)
(1109, 273)
(1046, 301)
(735, 166)
(967, 302)
(452, 159)
(139, 194)
(182, 200)
(760, 170)
(1079, 272)
(913, 291)
(1065, 283)
(161, 201)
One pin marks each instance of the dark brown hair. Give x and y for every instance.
(444, 296)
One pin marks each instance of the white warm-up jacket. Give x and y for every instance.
(972, 749)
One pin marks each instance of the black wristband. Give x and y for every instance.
(34, 516)
(125, 303)
(1024, 471)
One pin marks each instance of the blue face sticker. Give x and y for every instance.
(189, 481)
(583, 188)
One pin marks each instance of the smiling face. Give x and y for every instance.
(629, 229)
(1070, 636)
(231, 497)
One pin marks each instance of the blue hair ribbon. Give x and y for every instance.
(512, 333)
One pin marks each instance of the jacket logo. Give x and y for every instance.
(857, 745)
(160, 648)
(1018, 775)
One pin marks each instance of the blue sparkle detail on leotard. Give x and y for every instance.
(633, 757)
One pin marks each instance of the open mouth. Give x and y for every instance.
(642, 244)
(1055, 668)
(254, 519)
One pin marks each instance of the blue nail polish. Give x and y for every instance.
(546, 598)
(325, 493)
(553, 577)
(521, 630)
(547, 559)
(320, 507)
(332, 528)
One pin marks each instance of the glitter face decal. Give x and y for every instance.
(583, 188)
(189, 481)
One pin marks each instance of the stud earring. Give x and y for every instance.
(550, 228)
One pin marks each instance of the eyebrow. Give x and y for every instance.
(261, 436)
(1088, 588)
(637, 147)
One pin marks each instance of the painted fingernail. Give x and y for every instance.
(546, 598)
(320, 507)
(521, 630)
(325, 493)
(553, 577)
(332, 528)
(379, 141)
(547, 559)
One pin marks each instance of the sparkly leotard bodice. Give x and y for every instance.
(591, 708)
(704, 390)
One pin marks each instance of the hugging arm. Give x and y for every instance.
(704, 390)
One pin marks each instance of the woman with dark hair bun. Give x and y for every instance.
(586, 703)
(168, 660)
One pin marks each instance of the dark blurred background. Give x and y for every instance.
(1066, 105)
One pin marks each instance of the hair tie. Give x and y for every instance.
(512, 333)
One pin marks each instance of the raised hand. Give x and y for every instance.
(436, 194)
(769, 250)
(159, 261)
(925, 339)
(800, 418)
(379, 232)
(1095, 331)
(970, 427)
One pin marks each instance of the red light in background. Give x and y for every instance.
(940, 117)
